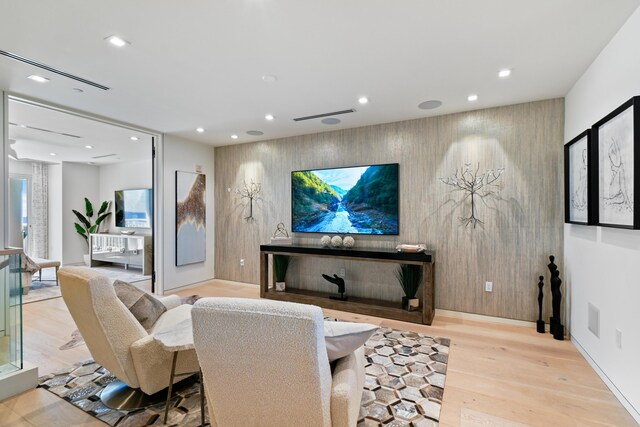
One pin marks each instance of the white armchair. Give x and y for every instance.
(118, 341)
(265, 364)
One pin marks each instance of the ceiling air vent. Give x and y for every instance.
(102, 157)
(45, 130)
(317, 116)
(51, 69)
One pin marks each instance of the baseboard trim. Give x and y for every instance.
(616, 392)
(485, 318)
(19, 381)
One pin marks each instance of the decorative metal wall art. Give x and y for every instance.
(474, 184)
(251, 193)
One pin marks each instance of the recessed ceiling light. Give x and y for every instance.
(255, 132)
(88, 146)
(200, 130)
(134, 138)
(429, 105)
(472, 98)
(330, 121)
(38, 79)
(269, 117)
(234, 136)
(117, 41)
(504, 73)
(268, 78)
(363, 100)
(52, 154)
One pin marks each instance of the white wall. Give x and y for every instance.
(602, 264)
(54, 214)
(78, 181)
(183, 155)
(124, 176)
(20, 167)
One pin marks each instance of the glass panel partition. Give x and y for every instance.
(10, 311)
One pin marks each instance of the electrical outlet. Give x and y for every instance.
(241, 262)
(343, 273)
(488, 286)
(618, 338)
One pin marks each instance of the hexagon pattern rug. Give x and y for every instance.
(404, 386)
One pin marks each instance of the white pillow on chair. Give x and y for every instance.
(343, 338)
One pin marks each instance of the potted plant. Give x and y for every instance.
(409, 276)
(85, 227)
(280, 265)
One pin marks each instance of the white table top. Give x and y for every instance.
(176, 337)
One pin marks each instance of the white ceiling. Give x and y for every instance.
(37, 144)
(199, 63)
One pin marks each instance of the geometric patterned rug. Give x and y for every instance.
(404, 385)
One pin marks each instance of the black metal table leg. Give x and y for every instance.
(173, 372)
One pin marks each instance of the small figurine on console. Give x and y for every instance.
(338, 281)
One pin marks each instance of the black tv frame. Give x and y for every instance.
(345, 167)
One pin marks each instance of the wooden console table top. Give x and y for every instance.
(377, 254)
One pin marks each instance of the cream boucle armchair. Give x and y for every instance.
(265, 364)
(118, 341)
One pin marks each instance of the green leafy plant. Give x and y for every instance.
(85, 226)
(280, 265)
(409, 276)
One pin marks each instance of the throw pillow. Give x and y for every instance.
(343, 338)
(144, 307)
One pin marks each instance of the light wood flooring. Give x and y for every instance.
(498, 374)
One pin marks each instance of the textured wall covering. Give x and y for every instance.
(521, 228)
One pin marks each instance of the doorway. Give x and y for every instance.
(79, 158)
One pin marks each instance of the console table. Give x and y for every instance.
(134, 250)
(379, 308)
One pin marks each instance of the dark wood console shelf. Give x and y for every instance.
(372, 307)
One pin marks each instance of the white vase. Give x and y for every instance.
(280, 286)
(87, 260)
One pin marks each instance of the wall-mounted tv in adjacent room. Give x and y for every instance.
(134, 208)
(354, 200)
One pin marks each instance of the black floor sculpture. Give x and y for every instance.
(540, 322)
(555, 327)
(338, 281)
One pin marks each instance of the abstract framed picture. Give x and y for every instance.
(578, 194)
(191, 224)
(615, 149)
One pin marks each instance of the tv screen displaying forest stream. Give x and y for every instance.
(356, 200)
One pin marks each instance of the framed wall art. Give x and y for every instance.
(616, 154)
(191, 215)
(578, 186)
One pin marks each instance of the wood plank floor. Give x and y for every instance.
(498, 374)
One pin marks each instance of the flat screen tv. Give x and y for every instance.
(353, 200)
(134, 208)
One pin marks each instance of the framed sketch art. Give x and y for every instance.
(616, 153)
(191, 215)
(578, 206)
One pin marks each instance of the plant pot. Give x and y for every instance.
(410, 304)
(280, 286)
(87, 260)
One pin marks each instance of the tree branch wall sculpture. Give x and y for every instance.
(474, 184)
(250, 192)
